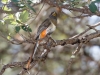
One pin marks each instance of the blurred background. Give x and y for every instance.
(87, 62)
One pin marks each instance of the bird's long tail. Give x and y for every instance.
(32, 55)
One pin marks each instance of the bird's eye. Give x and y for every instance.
(54, 14)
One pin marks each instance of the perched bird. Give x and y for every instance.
(47, 27)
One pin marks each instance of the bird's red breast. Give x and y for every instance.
(43, 34)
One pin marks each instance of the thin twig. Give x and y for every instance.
(95, 25)
(72, 58)
(38, 13)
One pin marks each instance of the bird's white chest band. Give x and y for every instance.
(51, 28)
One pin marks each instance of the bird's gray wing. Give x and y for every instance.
(45, 24)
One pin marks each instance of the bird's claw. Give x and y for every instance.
(53, 40)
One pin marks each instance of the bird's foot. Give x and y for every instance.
(54, 41)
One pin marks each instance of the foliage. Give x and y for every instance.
(19, 20)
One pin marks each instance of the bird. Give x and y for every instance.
(47, 27)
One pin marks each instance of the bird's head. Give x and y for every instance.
(53, 17)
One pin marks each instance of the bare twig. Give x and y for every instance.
(12, 65)
(38, 13)
(72, 58)
(93, 26)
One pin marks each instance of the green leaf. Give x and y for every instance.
(8, 21)
(14, 0)
(29, 2)
(93, 7)
(24, 16)
(18, 21)
(8, 37)
(1, 23)
(12, 22)
(6, 8)
(29, 29)
(31, 8)
(17, 29)
(97, 1)
(11, 16)
(26, 28)
(4, 1)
